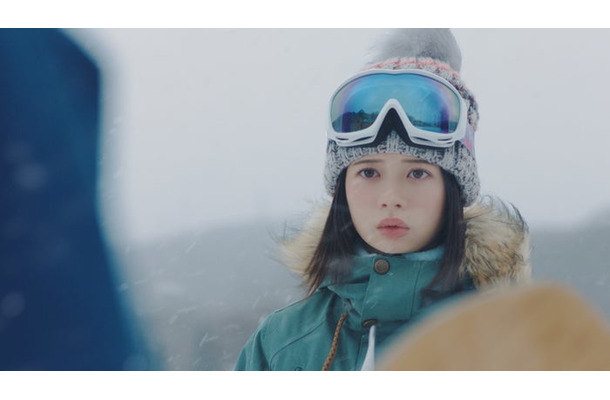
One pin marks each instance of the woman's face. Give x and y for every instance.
(396, 202)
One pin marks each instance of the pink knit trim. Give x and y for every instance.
(411, 62)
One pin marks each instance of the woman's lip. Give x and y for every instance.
(393, 228)
(392, 223)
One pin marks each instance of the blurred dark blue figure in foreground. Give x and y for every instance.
(59, 308)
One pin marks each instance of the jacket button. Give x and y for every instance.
(369, 322)
(381, 266)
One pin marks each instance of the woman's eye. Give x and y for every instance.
(368, 173)
(418, 174)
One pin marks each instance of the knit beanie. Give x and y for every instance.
(435, 51)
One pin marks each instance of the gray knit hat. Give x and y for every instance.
(435, 51)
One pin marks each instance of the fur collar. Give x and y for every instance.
(497, 244)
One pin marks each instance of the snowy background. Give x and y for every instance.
(214, 138)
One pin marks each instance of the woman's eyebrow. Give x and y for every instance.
(417, 161)
(376, 160)
(367, 161)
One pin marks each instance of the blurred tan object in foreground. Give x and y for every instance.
(540, 327)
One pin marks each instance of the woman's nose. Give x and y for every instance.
(392, 199)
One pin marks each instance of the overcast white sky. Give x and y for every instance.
(214, 127)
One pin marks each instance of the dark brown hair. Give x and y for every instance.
(340, 240)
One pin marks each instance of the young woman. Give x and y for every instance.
(405, 231)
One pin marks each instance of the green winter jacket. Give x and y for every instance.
(384, 292)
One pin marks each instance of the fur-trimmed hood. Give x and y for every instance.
(497, 244)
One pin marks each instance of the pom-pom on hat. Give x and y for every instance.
(435, 51)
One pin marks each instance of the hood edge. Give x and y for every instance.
(497, 244)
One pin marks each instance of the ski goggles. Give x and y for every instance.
(430, 108)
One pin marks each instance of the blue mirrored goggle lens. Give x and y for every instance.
(429, 104)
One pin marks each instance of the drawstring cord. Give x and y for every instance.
(333, 347)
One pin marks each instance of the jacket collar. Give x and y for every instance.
(386, 297)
